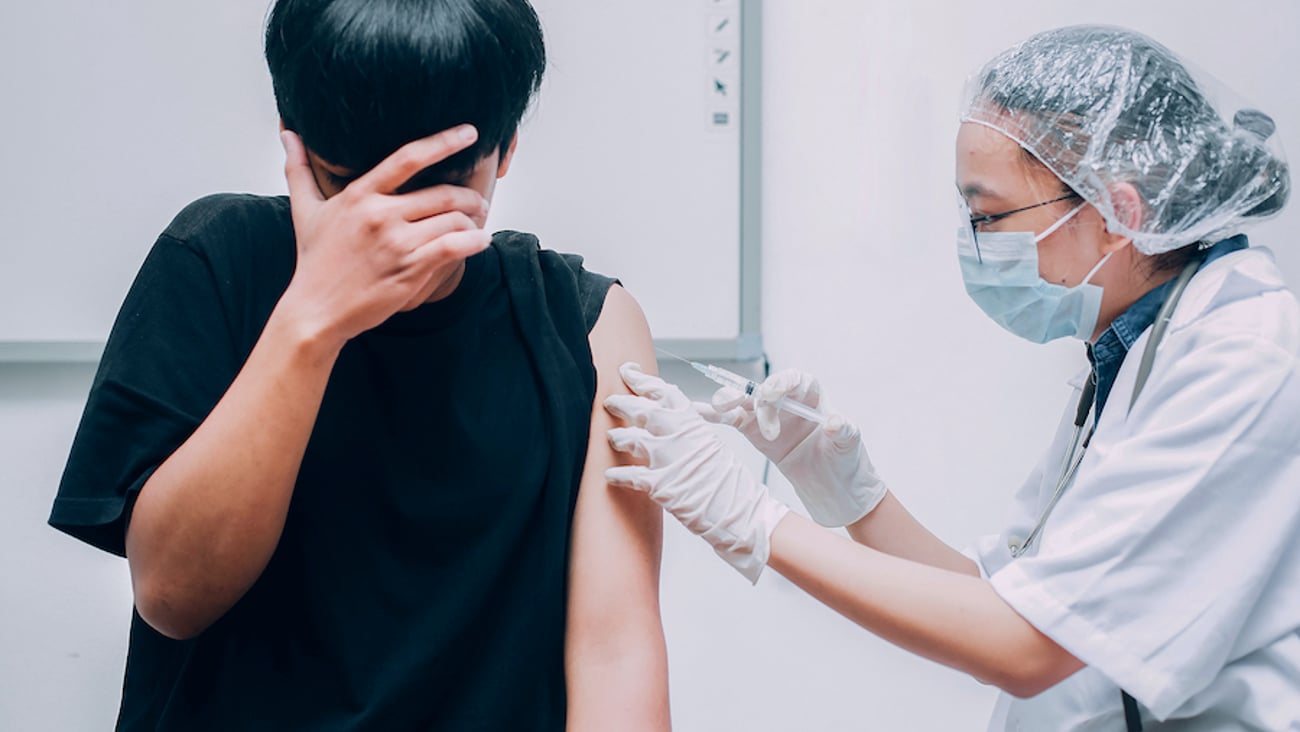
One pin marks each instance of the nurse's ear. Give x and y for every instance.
(1129, 212)
(1129, 209)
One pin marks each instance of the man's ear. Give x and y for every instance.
(503, 167)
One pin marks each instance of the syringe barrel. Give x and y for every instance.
(740, 383)
(800, 409)
(723, 377)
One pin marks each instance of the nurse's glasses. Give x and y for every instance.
(977, 221)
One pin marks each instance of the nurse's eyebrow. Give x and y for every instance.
(972, 190)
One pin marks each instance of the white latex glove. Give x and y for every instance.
(691, 474)
(828, 466)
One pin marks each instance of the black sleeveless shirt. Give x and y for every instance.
(420, 580)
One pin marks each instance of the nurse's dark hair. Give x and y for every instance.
(1168, 109)
(357, 79)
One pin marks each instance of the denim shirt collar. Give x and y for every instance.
(1108, 353)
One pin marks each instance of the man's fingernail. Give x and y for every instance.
(468, 133)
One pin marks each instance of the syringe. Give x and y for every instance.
(747, 387)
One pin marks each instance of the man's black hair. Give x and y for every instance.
(357, 79)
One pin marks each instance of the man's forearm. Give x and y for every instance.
(206, 523)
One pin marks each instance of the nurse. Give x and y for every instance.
(1149, 573)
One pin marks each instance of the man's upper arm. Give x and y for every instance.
(615, 656)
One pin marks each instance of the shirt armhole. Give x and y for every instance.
(592, 289)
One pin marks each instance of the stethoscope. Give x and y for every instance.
(1079, 443)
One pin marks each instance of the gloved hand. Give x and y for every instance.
(828, 466)
(691, 474)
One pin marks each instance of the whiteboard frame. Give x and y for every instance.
(747, 346)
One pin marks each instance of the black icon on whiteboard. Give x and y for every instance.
(721, 55)
(719, 87)
(721, 119)
(723, 27)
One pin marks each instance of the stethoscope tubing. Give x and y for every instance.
(1070, 464)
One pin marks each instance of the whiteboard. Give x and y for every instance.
(122, 113)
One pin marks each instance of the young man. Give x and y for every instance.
(347, 441)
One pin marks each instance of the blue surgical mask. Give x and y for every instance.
(1002, 278)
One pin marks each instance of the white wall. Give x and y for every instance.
(860, 287)
(64, 608)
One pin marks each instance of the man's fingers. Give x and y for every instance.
(448, 247)
(297, 171)
(431, 230)
(411, 158)
(431, 202)
(435, 261)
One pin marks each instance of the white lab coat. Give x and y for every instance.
(1171, 566)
